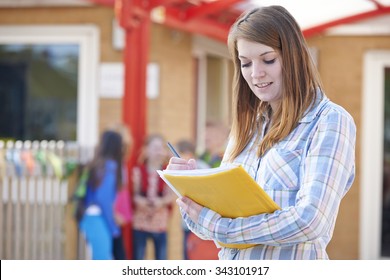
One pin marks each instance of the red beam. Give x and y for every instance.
(377, 4)
(209, 8)
(155, 3)
(103, 2)
(204, 26)
(130, 13)
(320, 28)
(201, 26)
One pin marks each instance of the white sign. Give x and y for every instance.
(153, 81)
(111, 80)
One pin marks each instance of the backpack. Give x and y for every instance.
(78, 197)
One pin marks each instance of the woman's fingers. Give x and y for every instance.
(189, 206)
(181, 204)
(176, 163)
(176, 160)
(192, 164)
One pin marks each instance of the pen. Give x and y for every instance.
(176, 154)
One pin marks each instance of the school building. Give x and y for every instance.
(163, 66)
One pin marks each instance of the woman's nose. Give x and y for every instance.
(257, 71)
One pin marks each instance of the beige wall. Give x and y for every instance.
(340, 61)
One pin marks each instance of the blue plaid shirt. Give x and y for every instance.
(307, 174)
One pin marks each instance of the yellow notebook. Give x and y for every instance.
(228, 190)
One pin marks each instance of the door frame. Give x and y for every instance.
(372, 153)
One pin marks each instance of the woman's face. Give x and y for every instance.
(156, 150)
(261, 67)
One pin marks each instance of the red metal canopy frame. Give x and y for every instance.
(209, 18)
(214, 18)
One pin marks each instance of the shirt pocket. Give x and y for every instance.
(279, 169)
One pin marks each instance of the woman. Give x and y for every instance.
(297, 144)
(105, 179)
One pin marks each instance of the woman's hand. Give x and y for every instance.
(176, 163)
(189, 206)
(119, 219)
(141, 201)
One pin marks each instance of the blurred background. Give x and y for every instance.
(70, 68)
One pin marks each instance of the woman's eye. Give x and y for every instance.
(243, 65)
(269, 61)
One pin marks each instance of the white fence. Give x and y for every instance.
(34, 194)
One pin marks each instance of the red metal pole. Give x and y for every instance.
(136, 22)
(134, 100)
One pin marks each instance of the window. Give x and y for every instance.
(48, 78)
(38, 91)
